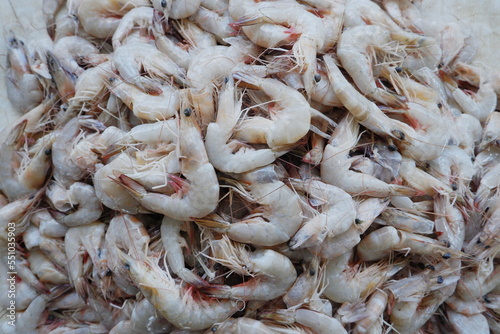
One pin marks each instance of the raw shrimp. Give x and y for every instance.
(21, 172)
(404, 13)
(241, 325)
(232, 156)
(29, 319)
(337, 214)
(374, 310)
(144, 318)
(354, 51)
(272, 273)
(458, 43)
(277, 219)
(176, 9)
(140, 17)
(63, 80)
(305, 285)
(406, 221)
(24, 89)
(213, 22)
(173, 243)
(101, 18)
(463, 324)
(319, 323)
(290, 117)
(180, 305)
(80, 197)
(335, 167)
(366, 112)
(269, 35)
(198, 195)
(491, 132)
(73, 52)
(350, 283)
(420, 180)
(129, 60)
(44, 269)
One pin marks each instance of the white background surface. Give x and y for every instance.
(482, 15)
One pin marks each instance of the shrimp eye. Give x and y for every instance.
(163, 3)
(440, 279)
(187, 112)
(486, 299)
(478, 241)
(431, 267)
(111, 80)
(487, 246)
(317, 77)
(427, 165)
(226, 80)
(392, 148)
(454, 186)
(31, 197)
(108, 272)
(214, 328)
(421, 265)
(127, 266)
(48, 151)
(398, 69)
(446, 256)
(312, 271)
(439, 105)
(358, 221)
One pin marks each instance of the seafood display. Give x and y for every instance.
(237, 166)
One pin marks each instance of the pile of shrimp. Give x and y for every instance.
(238, 166)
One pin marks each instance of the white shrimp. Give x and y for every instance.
(404, 13)
(319, 323)
(241, 325)
(44, 269)
(176, 9)
(144, 318)
(73, 52)
(335, 167)
(198, 195)
(354, 51)
(277, 219)
(422, 181)
(213, 22)
(374, 310)
(491, 132)
(463, 324)
(305, 285)
(101, 18)
(232, 156)
(63, 80)
(138, 18)
(290, 117)
(180, 305)
(272, 273)
(337, 214)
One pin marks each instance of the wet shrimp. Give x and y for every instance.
(272, 273)
(213, 22)
(404, 13)
(141, 18)
(232, 156)
(180, 305)
(73, 52)
(277, 219)
(491, 132)
(176, 9)
(318, 322)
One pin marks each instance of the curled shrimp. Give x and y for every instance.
(180, 305)
(227, 155)
(142, 17)
(198, 195)
(73, 52)
(277, 219)
(318, 322)
(213, 22)
(491, 132)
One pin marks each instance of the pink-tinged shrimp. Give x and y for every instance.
(198, 194)
(319, 323)
(181, 305)
(336, 164)
(276, 220)
(337, 214)
(24, 90)
(290, 117)
(366, 112)
(101, 18)
(232, 156)
(143, 105)
(350, 283)
(404, 13)
(375, 308)
(272, 273)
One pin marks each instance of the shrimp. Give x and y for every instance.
(241, 325)
(44, 269)
(173, 243)
(491, 132)
(142, 17)
(335, 167)
(404, 13)
(143, 105)
(24, 89)
(463, 324)
(350, 283)
(418, 179)
(406, 221)
(81, 197)
(272, 273)
(198, 195)
(213, 22)
(176, 9)
(144, 318)
(29, 319)
(180, 305)
(337, 214)
(129, 61)
(64, 81)
(305, 285)
(290, 117)
(23, 171)
(277, 219)
(232, 156)
(379, 243)
(319, 323)
(73, 52)
(366, 112)
(458, 44)
(101, 18)
(310, 27)
(354, 49)
(374, 310)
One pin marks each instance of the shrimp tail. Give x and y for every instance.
(447, 79)
(132, 186)
(246, 21)
(246, 80)
(398, 190)
(280, 317)
(217, 291)
(213, 224)
(393, 100)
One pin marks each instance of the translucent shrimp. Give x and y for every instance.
(305, 285)
(63, 80)
(290, 117)
(232, 156)
(215, 23)
(272, 273)
(310, 27)
(198, 195)
(29, 319)
(241, 325)
(277, 219)
(337, 214)
(350, 283)
(335, 167)
(180, 305)
(491, 132)
(354, 51)
(129, 60)
(420, 180)
(23, 171)
(101, 18)
(139, 17)
(45, 270)
(318, 322)
(404, 13)
(24, 89)
(463, 324)
(81, 198)
(366, 112)
(144, 318)
(374, 310)
(176, 9)
(73, 52)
